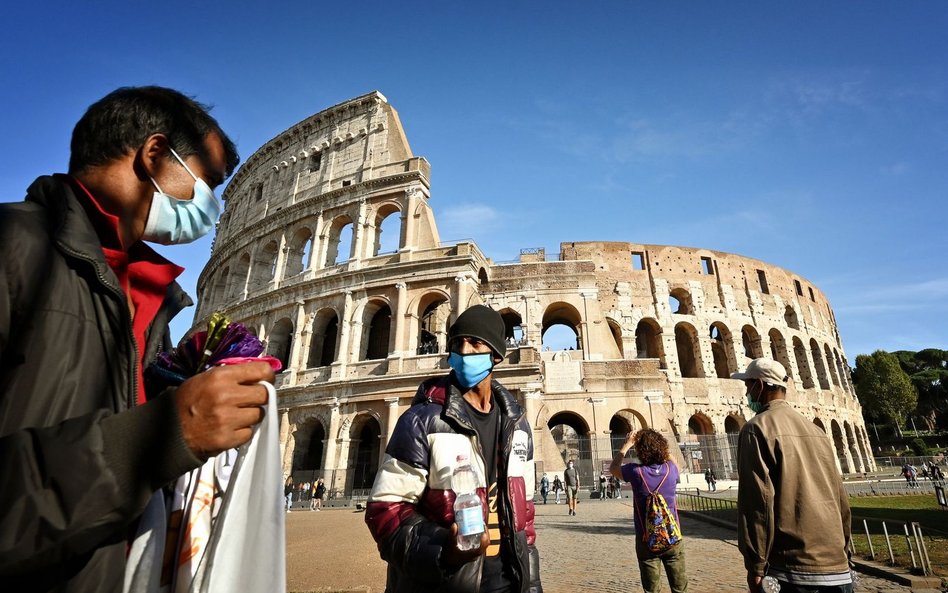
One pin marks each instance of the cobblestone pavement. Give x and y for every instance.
(592, 552)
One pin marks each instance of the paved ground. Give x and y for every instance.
(332, 550)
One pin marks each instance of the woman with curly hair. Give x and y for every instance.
(655, 472)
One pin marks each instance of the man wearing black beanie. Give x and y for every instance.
(463, 417)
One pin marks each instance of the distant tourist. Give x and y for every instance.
(658, 540)
(319, 491)
(544, 487)
(711, 479)
(557, 488)
(571, 478)
(793, 520)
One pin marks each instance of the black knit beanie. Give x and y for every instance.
(483, 323)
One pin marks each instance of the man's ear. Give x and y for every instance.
(152, 155)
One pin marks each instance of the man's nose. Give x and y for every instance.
(467, 348)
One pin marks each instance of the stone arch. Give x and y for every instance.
(616, 330)
(689, 351)
(280, 341)
(722, 350)
(700, 424)
(482, 276)
(648, 341)
(821, 374)
(324, 339)
(376, 330)
(365, 435)
(240, 276)
(853, 447)
(309, 445)
(778, 350)
(819, 424)
(221, 286)
(840, 445)
(790, 317)
(751, 341)
(866, 448)
(264, 265)
(831, 364)
(679, 302)
(803, 364)
(621, 424)
(566, 315)
(513, 326)
(733, 423)
(340, 233)
(571, 434)
(434, 310)
(298, 251)
(844, 377)
(386, 222)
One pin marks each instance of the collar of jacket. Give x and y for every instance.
(446, 392)
(69, 225)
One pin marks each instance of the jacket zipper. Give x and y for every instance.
(133, 375)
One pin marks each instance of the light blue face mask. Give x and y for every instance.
(172, 221)
(470, 369)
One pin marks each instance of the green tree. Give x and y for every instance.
(884, 390)
(928, 370)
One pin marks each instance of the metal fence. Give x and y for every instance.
(915, 549)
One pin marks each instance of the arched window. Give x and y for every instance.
(679, 301)
(365, 434)
(240, 276)
(433, 323)
(803, 364)
(513, 327)
(388, 230)
(561, 322)
(378, 317)
(482, 276)
(280, 341)
(689, 352)
(831, 363)
(648, 340)
(322, 346)
(220, 287)
(339, 247)
(571, 435)
(308, 451)
(722, 350)
(817, 355)
(298, 252)
(778, 350)
(264, 265)
(751, 341)
(790, 317)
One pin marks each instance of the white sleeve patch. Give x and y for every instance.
(444, 448)
(398, 482)
(518, 463)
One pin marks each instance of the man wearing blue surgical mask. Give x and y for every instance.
(84, 307)
(466, 415)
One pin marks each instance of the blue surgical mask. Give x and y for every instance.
(172, 221)
(755, 406)
(470, 369)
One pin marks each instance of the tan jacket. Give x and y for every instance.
(793, 512)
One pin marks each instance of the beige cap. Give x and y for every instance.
(765, 369)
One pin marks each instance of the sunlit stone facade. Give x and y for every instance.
(306, 255)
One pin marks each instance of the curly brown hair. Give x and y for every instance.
(651, 447)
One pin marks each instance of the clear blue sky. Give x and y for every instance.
(812, 135)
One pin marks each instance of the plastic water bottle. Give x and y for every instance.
(770, 585)
(468, 511)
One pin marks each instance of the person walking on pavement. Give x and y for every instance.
(793, 521)
(544, 487)
(656, 473)
(602, 487)
(557, 488)
(571, 478)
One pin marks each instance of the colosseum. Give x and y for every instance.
(328, 249)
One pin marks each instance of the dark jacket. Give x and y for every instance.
(411, 508)
(80, 459)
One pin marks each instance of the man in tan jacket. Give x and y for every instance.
(793, 512)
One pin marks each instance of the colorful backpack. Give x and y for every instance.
(659, 528)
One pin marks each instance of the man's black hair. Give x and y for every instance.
(122, 121)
